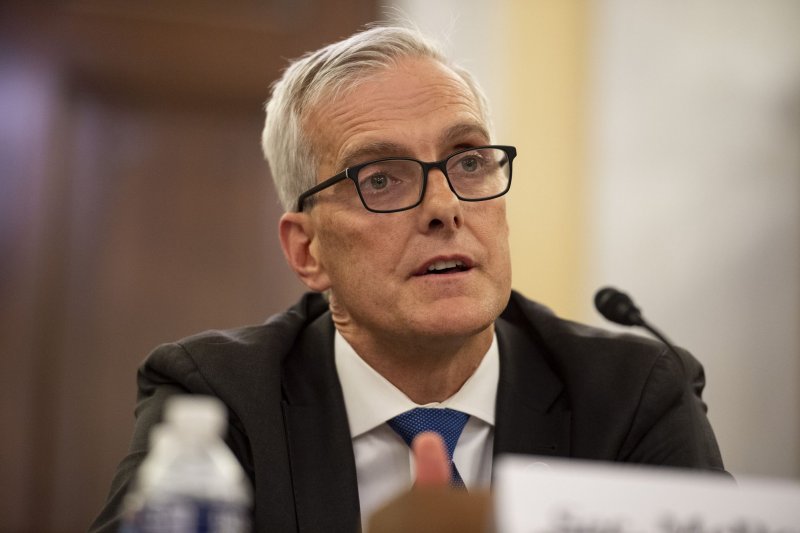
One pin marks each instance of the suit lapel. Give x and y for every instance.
(532, 416)
(320, 449)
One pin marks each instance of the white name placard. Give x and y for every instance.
(542, 495)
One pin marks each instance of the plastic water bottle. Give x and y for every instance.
(190, 481)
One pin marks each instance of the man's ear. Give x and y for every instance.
(297, 234)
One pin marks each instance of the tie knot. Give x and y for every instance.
(448, 423)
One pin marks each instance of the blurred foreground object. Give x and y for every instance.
(543, 494)
(190, 481)
(434, 510)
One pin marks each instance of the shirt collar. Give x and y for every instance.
(371, 400)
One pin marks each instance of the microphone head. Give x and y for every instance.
(617, 307)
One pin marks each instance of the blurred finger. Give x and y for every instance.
(432, 464)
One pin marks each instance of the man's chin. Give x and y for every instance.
(455, 317)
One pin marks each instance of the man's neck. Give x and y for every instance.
(426, 370)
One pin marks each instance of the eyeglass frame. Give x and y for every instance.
(351, 173)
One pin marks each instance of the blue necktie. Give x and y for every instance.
(448, 423)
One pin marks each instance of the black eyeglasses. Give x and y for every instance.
(398, 183)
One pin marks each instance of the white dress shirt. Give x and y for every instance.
(384, 464)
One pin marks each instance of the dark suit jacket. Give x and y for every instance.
(565, 390)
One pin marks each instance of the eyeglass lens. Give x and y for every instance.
(397, 183)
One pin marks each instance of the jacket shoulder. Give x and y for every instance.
(631, 398)
(601, 367)
(215, 360)
(571, 342)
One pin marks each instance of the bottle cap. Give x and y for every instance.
(196, 414)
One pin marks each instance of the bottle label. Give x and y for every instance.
(187, 515)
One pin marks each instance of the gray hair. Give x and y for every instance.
(328, 73)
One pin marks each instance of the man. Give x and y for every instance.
(382, 156)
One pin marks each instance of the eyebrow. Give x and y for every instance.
(462, 131)
(373, 150)
(454, 135)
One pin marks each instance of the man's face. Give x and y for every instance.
(377, 265)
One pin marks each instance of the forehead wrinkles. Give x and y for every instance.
(380, 103)
(382, 113)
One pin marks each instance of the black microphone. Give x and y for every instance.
(618, 307)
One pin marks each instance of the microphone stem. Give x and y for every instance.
(660, 336)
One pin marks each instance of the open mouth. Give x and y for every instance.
(445, 267)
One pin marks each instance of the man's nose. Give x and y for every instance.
(440, 207)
